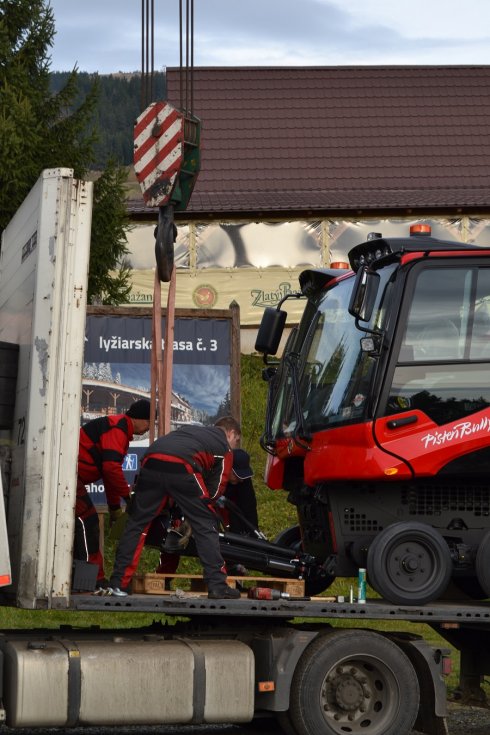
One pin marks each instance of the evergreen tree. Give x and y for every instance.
(117, 109)
(109, 269)
(106, 372)
(90, 370)
(42, 129)
(37, 130)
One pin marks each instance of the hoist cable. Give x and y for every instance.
(147, 51)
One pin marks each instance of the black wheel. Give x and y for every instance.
(314, 585)
(290, 537)
(354, 681)
(409, 564)
(483, 564)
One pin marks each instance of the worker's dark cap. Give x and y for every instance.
(241, 464)
(139, 409)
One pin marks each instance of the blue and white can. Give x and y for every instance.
(361, 587)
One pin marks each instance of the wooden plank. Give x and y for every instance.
(147, 311)
(152, 583)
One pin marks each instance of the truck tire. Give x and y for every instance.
(354, 681)
(483, 564)
(409, 564)
(284, 722)
(291, 538)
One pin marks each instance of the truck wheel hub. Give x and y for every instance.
(410, 563)
(348, 694)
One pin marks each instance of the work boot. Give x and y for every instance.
(228, 593)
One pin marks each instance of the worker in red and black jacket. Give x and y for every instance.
(190, 465)
(103, 445)
(241, 492)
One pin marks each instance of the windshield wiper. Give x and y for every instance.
(291, 360)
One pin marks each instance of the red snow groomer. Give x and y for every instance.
(378, 417)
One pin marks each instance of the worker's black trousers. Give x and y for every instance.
(86, 545)
(150, 497)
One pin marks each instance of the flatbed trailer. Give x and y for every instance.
(465, 625)
(439, 613)
(230, 661)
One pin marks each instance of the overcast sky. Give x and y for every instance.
(105, 35)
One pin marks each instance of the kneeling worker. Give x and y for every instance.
(191, 465)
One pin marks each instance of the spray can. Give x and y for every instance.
(361, 594)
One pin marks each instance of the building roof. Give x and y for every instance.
(340, 140)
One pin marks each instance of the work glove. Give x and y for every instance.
(178, 538)
(117, 523)
(185, 530)
(114, 516)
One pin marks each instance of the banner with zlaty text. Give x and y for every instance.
(116, 373)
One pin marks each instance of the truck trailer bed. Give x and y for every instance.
(374, 609)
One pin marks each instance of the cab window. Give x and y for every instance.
(442, 366)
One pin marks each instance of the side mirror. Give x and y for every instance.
(270, 331)
(364, 294)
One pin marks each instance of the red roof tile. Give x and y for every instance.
(326, 140)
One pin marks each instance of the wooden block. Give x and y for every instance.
(138, 583)
(152, 583)
(198, 584)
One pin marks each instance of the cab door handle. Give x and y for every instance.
(404, 421)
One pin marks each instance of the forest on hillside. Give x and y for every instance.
(118, 107)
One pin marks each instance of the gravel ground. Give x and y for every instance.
(464, 720)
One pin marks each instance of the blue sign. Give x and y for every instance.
(130, 463)
(116, 373)
(115, 339)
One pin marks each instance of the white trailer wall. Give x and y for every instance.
(43, 283)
